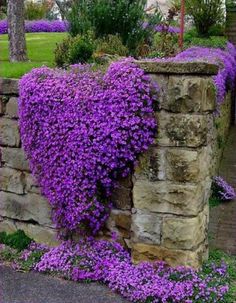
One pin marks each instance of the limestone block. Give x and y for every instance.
(152, 164)
(31, 185)
(168, 197)
(12, 107)
(15, 158)
(182, 129)
(182, 165)
(147, 252)
(12, 180)
(119, 218)
(30, 207)
(8, 86)
(38, 233)
(9, 133)
(184, 233)
(2, 105)
(162, 82)
(146, 227)
(190, 94)
(122, 194)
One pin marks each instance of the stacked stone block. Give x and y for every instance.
(161, 212)
(172, 183)
(21, 204)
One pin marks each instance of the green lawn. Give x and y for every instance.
(40, 47)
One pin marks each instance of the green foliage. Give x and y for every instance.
(206, 14)
(111, 45)
(73, 50)
(217, 257)
(214, 201)
(35, 10)
(214, 41)
(165, 44)
(110, 17)
(17, 240)
(29, 263)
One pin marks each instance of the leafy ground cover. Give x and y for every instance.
(40, 48)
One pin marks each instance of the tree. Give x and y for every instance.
(16, 30)
(64, 6)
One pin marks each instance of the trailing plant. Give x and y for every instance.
(108, 262)
(222, 190)
(81, 130)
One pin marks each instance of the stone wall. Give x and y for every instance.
(162, 211)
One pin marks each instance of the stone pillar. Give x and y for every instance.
(172, 183)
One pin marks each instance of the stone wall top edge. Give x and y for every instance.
(192, 68)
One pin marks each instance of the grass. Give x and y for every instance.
(40, 48)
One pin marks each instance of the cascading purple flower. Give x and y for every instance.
(109, 263)
(81, 130)
(38, 26)
(222, 189)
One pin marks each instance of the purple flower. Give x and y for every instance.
(222, 189)
(81, 130)
(39, 26)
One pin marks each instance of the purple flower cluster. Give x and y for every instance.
(162, 28)
(222, 189)
(81, 130)
(167, 28)
(225, 59)
(38, 26)
(108, 262)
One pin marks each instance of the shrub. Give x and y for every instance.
(205, 13)
(105, 17)
(74, 50)
(111, 45)
(17, 240)
(213, 41)
(35, 10)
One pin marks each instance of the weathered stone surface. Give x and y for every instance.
(152, 164)
(8, 86)
(147, 252)
(182, 130)
(184, 233)
(162, 82)
(40, 234)
(146, 227)
(119, 218)
(31, 185)
(12, 108)
(193, 68)
(12, 180)
(182, 165)
(2, 105)
(167, 197)
(189, 94)
(30, 207)
(9, 133)
(15, 158)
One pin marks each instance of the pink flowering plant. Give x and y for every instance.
(81, 130)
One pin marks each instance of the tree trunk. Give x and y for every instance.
(16, 30)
